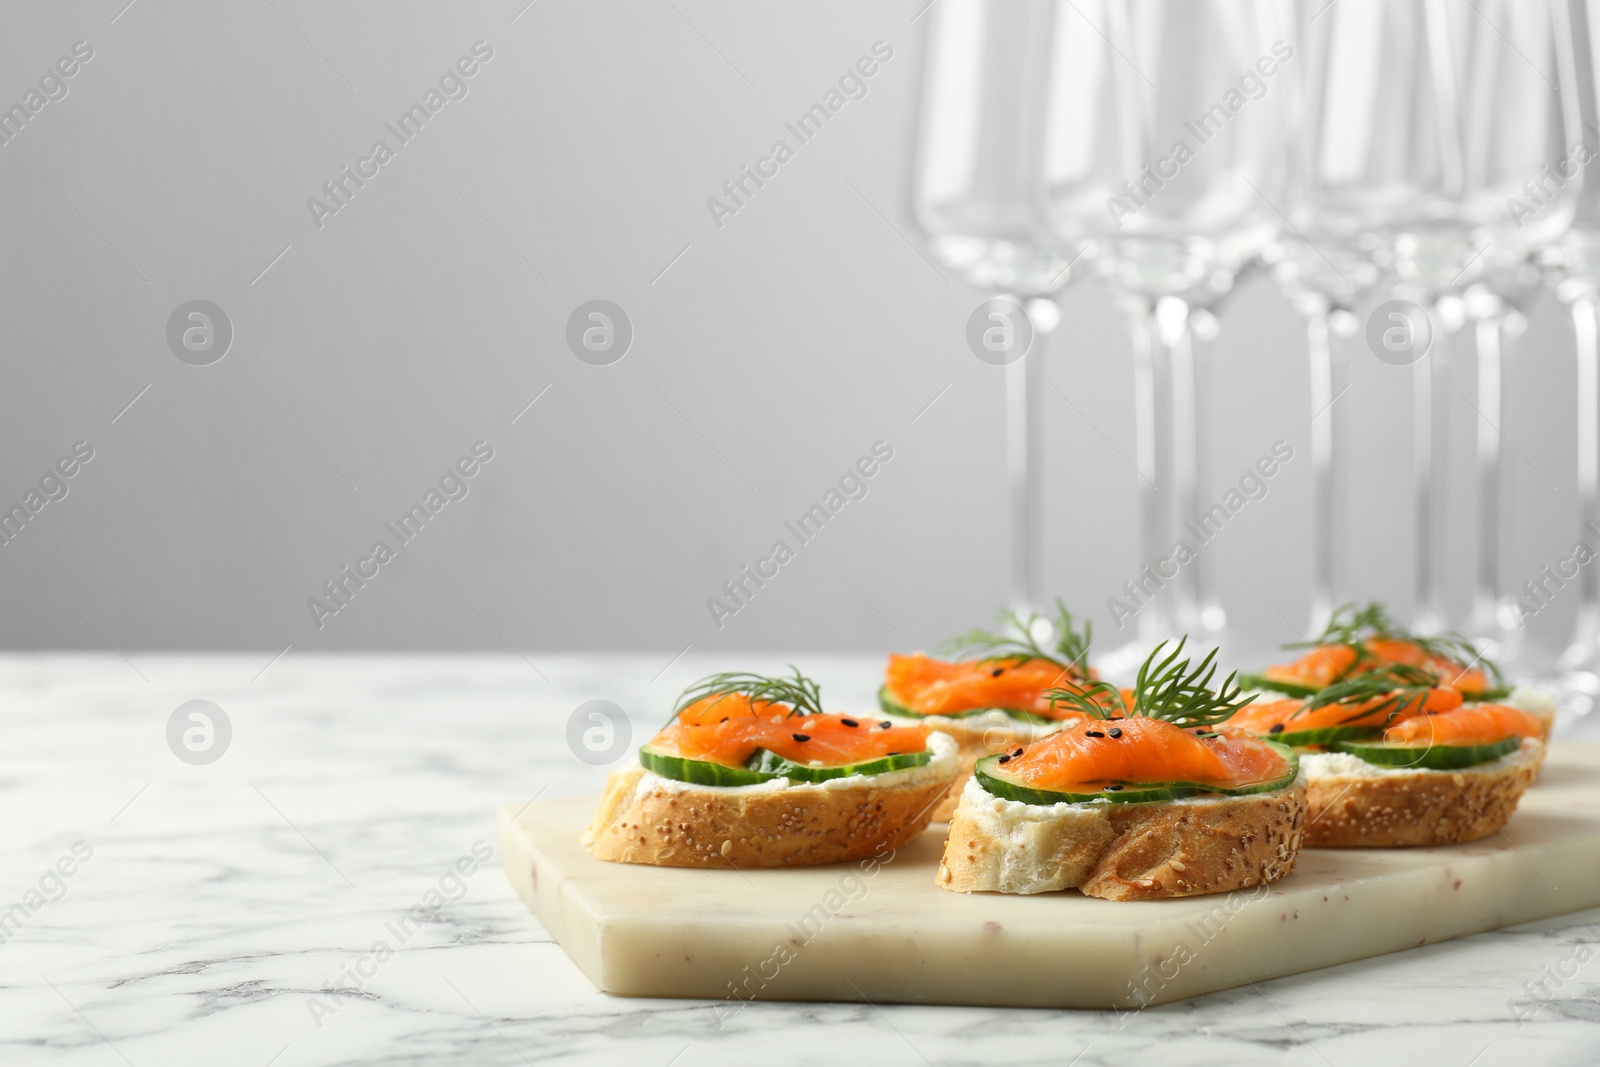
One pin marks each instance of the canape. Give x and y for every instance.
(1361, 639)
(1138, 799)
(992, 694)
(750, 771)
(1394, 757)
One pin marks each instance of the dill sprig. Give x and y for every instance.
(1397, 688)
(1352, 626)
(1168, 687)
(1016, 641)
(801, 694)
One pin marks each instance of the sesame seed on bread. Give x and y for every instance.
(1122, 851)
(1359, 804)
(643, 818)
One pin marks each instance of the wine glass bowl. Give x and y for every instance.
(1167, 147)
(972, 185)
(1162, 147)
(976, 144)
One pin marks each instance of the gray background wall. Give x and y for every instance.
(768, 356)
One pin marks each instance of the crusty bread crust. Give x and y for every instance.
(723, 828)
(1420, 807)
(1124, 851)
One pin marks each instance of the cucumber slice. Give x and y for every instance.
(992, 775)
(775, 766)
(765, 766)
(697, 772)
(1325, 735)
(1264, 787)
(891, 707)
(1430, 757)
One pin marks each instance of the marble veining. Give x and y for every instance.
(318, 896)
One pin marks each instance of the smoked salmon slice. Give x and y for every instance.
(728, 725)
(1327, 664)
(825, 740)
(1008, 669)
(1477, 725)
(1294, 716)
(926, 686)
(1139, 750)
(1366, 639)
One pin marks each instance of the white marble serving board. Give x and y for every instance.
(853, 932)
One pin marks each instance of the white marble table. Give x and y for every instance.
(220, 904)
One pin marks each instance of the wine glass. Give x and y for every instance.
(1391, 174)
(977, 142)
(1163, 147)
(1323, 267)
(1420, 119)
(1574, 260)
(1520, 189)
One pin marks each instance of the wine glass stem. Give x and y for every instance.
(1025, 381)
(1489, 587)
(1324, 469)
(1196, 605)
(1431, 376)
(1157, 439)
(1585, 652)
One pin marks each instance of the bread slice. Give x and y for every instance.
(978, 735)
(1359, 804)
(644, 818)
(1119, 851)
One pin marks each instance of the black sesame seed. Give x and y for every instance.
(850, 722)
(724, 718)
(1114, 732)
(1005, 759)
(1016, 754)
(1113, 788)
(1277, 728)
(894, 753)
(997, 672)
(885, 724)
(801, 737)
(1093, 733)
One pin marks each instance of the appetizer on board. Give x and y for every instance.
(1137, 799)
(1393, 756)
(1361, 639)
(750, 771)
(992, 694)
